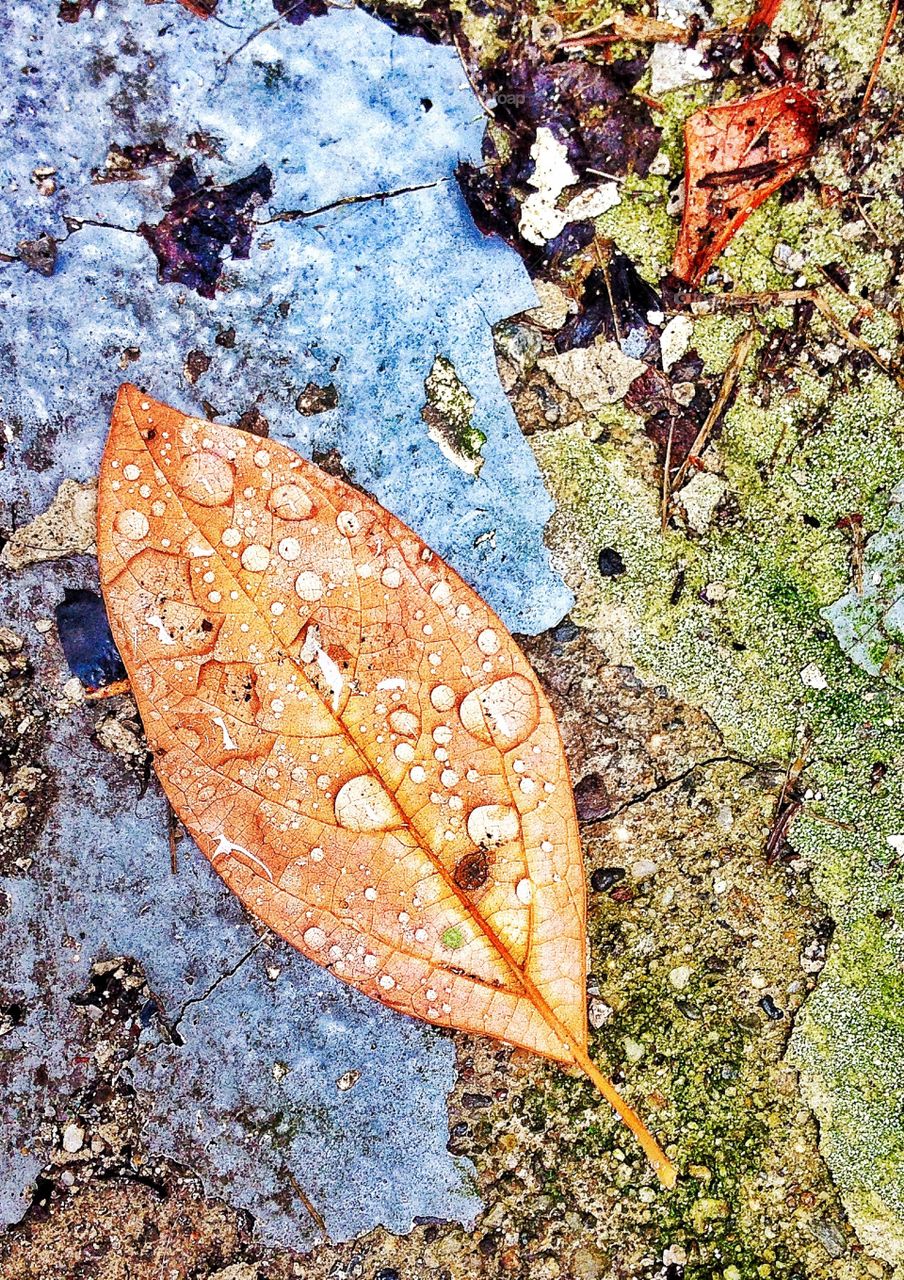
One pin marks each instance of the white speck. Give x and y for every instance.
(680, 976)
(441, 593)
(492, 824)
(370, 894)
(524, 891)
(417, 774)
(130, 471)
(394, 682)
(73, 1137)
(812, 677)
(386, 982)
(261, 458)
(228, 744)
(225, 849)
(230, 537)
(317, 855)
(390, 577)
(404, 751)
(315, 938)
(163, 635)
(488, 641)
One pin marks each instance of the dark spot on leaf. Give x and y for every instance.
(201, 223)
(472, 871)
(39, 254)
(610, 562)
(87, 640)
(254, 422)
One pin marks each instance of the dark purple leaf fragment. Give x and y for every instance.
(201, 222)
(588, 105)
(86, 638)
(298, 11)
(490, 202)
(125, 164)
(653, 397)
(72, 10)
(615, 302)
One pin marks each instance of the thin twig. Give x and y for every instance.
(874, 75)
(306, 1201)
(297, 215)
(108, 691)
(626, 26)
(729, 381)
(666, 476)
(171, 836)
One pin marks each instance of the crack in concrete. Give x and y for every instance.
(674, 781)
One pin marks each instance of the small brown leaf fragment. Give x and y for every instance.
(40, 254)
(317, 399)
(735, 156)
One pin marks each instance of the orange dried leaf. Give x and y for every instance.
(348, 732)
(736, 156)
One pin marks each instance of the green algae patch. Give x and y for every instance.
(741, 620)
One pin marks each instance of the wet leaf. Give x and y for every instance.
(201, 222)
(348, 732)
(735, 156)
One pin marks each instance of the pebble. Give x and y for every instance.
(680, 976)
(643, 868)
(598, 1012)
(73, 1137)
(603, 878)
(771, 1009)
(348, 1080)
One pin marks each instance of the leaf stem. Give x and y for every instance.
(664, 1169)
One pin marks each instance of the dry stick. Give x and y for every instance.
(666, 476)
(625, 26)
(851, 338)
(729, 380)
(108, 691)
(874, 75)
(306, 1201)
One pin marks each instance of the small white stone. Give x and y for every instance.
(73, 1137)
(812, 677)
(680, 976)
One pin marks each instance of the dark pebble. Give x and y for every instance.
(592, 800)
(565, 632)
(771, 1009)
(603, 878)
(716, 964)
(674, 1271)
(610, 562)
(489, 1243)
(387, 1273)
(472, 1101)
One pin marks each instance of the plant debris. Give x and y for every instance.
(201, 222)
(735, 156)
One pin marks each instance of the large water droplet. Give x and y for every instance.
(504, 713)
(493, 824)
(361, 804)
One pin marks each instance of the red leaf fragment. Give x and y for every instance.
(735, 157)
